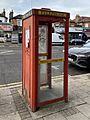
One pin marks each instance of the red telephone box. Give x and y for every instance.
(42, 81)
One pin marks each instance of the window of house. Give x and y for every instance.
(86, 24)
(19, 22)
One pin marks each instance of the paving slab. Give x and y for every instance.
(7, 109)
(85, 109)
(69, 112)
(6, 100)
(50, 109)
(87, 99)
(55, 116)
(31, 119)
(4, 92)
(11, 116)
(13, 107)
(77, 116)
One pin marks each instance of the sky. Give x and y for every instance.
(22, 6)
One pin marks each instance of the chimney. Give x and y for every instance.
(10, 15)
(4, 12)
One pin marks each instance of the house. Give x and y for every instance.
(3, 17)
(83, 21)
(5, 27)
(16, 21)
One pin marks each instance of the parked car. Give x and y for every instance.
(80, 56)
(77, 42)
(57, 39)
(2, 39)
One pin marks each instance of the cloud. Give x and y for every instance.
(22, 6)
(20, 1)
(74, 7)
(18, 6)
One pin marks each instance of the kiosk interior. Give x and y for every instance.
(44, 67)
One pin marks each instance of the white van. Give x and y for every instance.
(57, 39)
(14, 38)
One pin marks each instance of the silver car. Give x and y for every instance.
(80, 56)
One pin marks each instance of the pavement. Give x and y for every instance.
(13, 106)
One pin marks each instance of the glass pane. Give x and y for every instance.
(43, 71)
(51, 76)
(43, 37)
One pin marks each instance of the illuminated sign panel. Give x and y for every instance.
(45, 13)
(52, 13)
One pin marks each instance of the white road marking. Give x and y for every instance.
(11, 85)
(19, 84)
(2, 46)
(7, 52)
(54, 67)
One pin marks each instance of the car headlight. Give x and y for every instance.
(81, 55)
